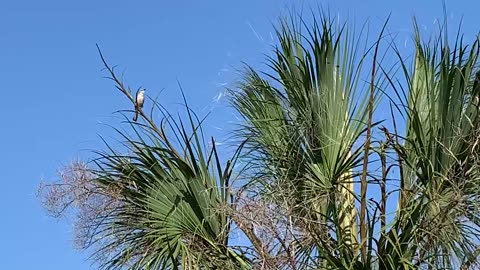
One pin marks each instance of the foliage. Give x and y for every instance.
(321, 169)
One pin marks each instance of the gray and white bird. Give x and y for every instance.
(139, 99)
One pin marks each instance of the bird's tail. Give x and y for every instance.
(135, 117)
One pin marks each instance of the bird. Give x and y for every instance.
(139, 99)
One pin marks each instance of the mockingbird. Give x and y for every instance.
(139, 99)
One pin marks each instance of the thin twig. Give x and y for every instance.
(363, 183)
(127, 93)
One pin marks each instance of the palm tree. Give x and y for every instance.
(321, 169)
(313, 142)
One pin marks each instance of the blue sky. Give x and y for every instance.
(56, 102)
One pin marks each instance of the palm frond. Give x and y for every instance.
(303, 122)
(434, 221)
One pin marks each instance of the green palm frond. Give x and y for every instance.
(303, 122)
(171, 198)
(170, 207)
(435, 221)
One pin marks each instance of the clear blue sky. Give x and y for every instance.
(55, 101)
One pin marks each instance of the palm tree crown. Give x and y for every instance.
(319, 165)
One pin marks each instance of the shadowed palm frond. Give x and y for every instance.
(171, 206)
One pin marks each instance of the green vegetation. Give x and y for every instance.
(328, 179)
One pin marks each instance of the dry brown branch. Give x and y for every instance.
(76, 194)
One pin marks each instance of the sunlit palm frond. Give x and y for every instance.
(435, 221)
(303, 121)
